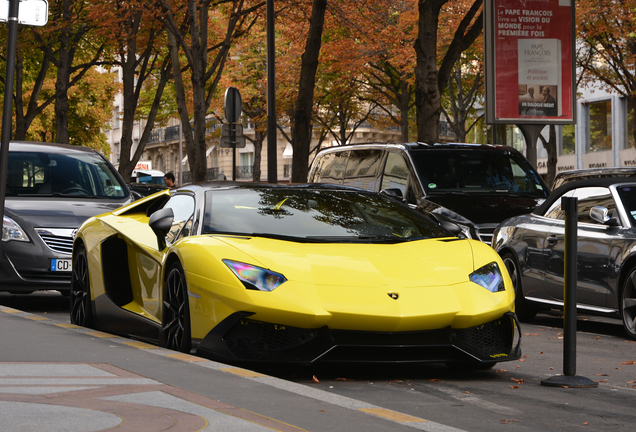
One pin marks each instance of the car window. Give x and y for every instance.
(183, 208)
(396, 175)
(443, 170)
(362, 170)
(331, 168)
(314, 215)
(627, 196)
(54, 174)
(588, 197)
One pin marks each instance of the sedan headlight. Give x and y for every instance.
(255, 278)
(12, 231)
(489, 277)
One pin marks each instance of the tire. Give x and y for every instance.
(525, 312)
(81, 307)
(175, 321)
(628, 304)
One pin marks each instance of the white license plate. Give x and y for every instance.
(61, 265)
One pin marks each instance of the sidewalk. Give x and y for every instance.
(58, 377)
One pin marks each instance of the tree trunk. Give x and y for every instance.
(427, 93)
(301, 133)
(61, 93)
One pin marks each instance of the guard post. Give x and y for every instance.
(569, 377)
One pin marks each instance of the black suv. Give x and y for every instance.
(475, 186)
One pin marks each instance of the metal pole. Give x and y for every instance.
(272, 164)
(180, 153)
(569, 377)
(7, 113)
(569, 285)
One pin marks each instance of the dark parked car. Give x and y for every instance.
(475, 186)
(567, 176)
(145, 189)
(532, 247)
(51, 190)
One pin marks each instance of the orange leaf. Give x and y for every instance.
(315, 380)
(514, 387)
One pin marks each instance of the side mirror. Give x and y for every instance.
(602, 216)
(161, 222)
(448, 225)
(394, 193)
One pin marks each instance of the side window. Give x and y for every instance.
(588, 197)
(183, 208)
(362, 169)
(594, 196)
(331, 168)
(396, 176)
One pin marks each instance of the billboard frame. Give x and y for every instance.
(490, 62)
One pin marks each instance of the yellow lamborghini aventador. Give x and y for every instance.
(295, 273)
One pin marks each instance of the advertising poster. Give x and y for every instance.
(531, 60)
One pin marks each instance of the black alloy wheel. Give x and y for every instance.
(524, 311)
(80, 293)
(175, 322)
(628, 304)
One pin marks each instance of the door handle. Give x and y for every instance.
(552, 240)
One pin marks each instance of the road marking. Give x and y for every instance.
(38, 318)
(67, 326)
(392, 415)
(243, 372)
(186, 357)
(141, 345)
(10, 311)
(100, 334)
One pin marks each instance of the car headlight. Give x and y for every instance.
(255, 278)
(489, 277)
(12, 231)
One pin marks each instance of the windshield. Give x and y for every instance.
(314, 215)
(54, 174)
(443, 171)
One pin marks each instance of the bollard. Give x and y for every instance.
(569, 377)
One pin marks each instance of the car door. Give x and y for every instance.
(594, 245)
(145, 268)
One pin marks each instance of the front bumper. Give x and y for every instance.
(239, 339)
(25, 267)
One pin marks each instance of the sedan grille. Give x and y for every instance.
(485, 234)
(57, 239)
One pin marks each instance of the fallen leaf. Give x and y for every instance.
(501, 370)
(551, 368)
(602, 375)
(514, 387)
(435, 379)
(631, 362)
(600, 381)
(585, 424)
(631, 382)
(467, 392)
(348, 379)
(315, 380)
(522, 359)
(540, 352)
(504, 421)
(520, 381)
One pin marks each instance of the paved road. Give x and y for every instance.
(435, 398)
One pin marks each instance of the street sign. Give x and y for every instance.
(226, 129)
(30, 12)
(233, 104)
(226, 142)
